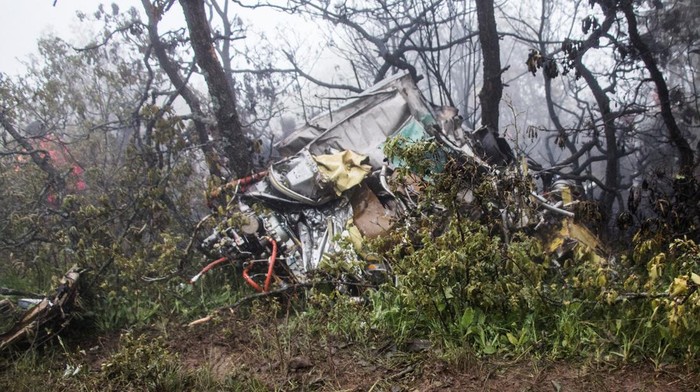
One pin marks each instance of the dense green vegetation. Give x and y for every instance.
(459, 283)
(463, 289)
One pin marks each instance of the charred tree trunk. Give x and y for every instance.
(554, 117)
(235, 145)
(612, 165)
(492, 89)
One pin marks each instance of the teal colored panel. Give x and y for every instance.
(414, 131)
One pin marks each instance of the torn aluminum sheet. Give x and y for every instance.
(364, 124)
(573, 237)
(494, 149)
(315, 180)
(413, 131)
(370, 216)
(299, 178)
(295, 238)
(344, 170)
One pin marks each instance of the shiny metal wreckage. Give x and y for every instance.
(331, 191)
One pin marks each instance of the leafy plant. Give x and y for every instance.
(145, 362)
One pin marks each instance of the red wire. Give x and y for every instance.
(271, 265)
(245, 181)
(250, 281)
(213, 264)
(208, 267)
(270, 270)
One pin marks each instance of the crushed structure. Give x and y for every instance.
(332, 187)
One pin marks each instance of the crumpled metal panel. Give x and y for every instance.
(364, 124)
(366, 131)
(298, 178)
(302, 136)
(323, 190)
(55, 308)
(318, 235)
(314, 180)
(370, 217)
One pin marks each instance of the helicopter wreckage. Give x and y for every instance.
(336, 188)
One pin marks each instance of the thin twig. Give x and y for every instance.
(191, 243)
(249, 299)
(20, 293)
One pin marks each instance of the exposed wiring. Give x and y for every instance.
(250, 281)
(207, 268)
(270, 270)
(271, 265)
(240, 184)
(383, 181)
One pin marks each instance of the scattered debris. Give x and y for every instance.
(570, 235)
(35, 325)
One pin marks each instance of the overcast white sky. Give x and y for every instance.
(22, 22)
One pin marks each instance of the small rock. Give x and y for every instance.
(418, 345)
(299, 363)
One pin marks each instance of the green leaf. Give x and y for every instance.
(512, 339)
(448, 293)
(695, 278)
(467, 318)
(489, 349)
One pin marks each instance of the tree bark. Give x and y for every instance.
(235, 145)
(675, 135)
(492, 89)
(171, 69)
(612, 166)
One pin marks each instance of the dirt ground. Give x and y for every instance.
(233, 347)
